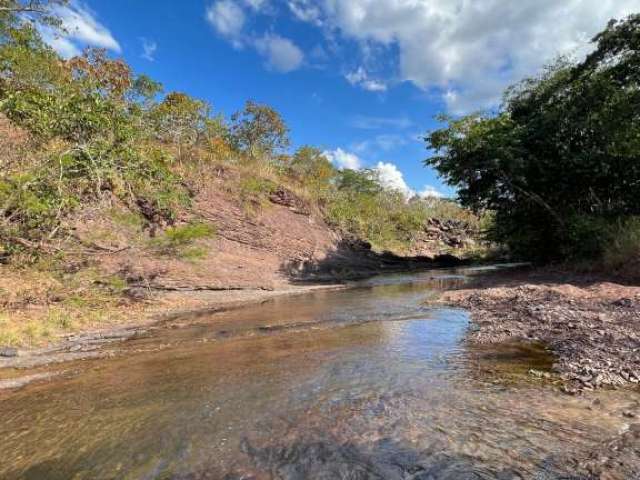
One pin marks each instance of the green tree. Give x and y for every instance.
(38, 11)
(259, 130)
(180, 120)
(561, 161)
(310, 167)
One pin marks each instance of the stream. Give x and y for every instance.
(369, 382)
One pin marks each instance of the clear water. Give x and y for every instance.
(362, 383)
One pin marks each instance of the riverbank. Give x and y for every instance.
(172, 310)
(590, 323)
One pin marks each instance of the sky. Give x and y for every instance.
(363, 80)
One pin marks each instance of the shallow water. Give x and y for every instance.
(362, 383)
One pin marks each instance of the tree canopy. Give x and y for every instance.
(560, 163)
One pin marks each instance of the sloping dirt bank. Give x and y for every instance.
(592, 325)
(118, 280)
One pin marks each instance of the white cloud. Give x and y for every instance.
(342, 159)
(364, 122)
(384, 142)
(470, 50)
(149, 48)
(430, 192)
(227, 18)
(257, 4)
(282, 54)
(81, 29)
(361, 78)
(306, 10)
(392, 178)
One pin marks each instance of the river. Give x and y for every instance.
(368, 382)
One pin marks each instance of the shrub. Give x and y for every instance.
(174, 240)
(622, 250)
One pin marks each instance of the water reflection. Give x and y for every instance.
(355, 384)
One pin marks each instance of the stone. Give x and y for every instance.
(8, 352)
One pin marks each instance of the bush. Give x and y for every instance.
(174, 240)
(622, 251)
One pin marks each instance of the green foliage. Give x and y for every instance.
(561, 162)
(622, 251)
(179, 120)
(309, 167)
(97, 129)
(175, 240)
(361, 207)
(92, 109)
(258, 130)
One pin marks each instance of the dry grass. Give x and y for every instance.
(37, 307)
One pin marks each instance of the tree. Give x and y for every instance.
(42, 9)
(311, 168)
(259, 130)
(561, 161)
(360, 182)
(179, 120)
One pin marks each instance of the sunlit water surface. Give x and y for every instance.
(368, 382)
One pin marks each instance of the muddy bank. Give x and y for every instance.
(592, 325)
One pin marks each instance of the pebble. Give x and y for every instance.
(8, 352)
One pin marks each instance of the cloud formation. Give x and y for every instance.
(343, 159)
(391, 178)
(149, 48)
(364, 122)
(360, 77)
(229, 18)
(80, 29)
(467, 51)
(430, 192)
(282, 54)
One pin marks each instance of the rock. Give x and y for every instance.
(629, 414)
(623, 302)
(137, 293)
(8, 352)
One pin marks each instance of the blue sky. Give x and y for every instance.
(361, 79)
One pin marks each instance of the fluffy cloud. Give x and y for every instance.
(469, 51)
(227, 18)
(361, 78)
(430, 192)
(342, 159)
(392, 178)
(282, 54)
(81, 29)
(149, 49)
(389, 175)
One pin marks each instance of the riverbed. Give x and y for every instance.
(370, 382)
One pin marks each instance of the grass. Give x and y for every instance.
(179, 241)
(43, 305)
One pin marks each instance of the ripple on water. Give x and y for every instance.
(356, 384)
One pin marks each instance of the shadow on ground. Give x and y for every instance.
(355, 259)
